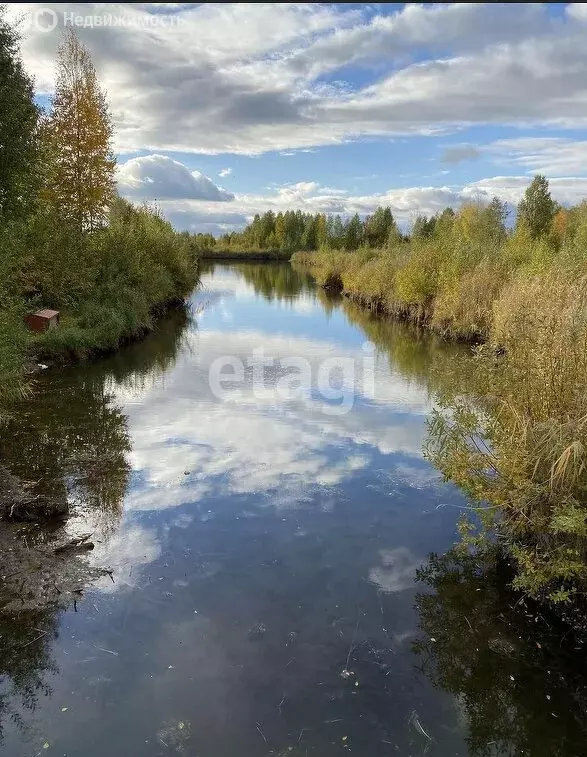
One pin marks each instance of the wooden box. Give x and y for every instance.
(42, 320)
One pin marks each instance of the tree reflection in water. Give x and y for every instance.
(69, 441)
(275, 282)
(25, 662)
(517, 691)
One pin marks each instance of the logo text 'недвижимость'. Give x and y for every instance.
(48, 19)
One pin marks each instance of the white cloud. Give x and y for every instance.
(160, 177)
(567, 190)
(249, 78)
(225, 172)
(577, 11)
(435, 28)
(310, 196)
(553, 156)
(297, 192)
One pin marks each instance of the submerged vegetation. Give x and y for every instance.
(73, 453)
(516, 436)
(68, 243)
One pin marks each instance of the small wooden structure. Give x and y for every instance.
(42, 320)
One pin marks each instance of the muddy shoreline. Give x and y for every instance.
(40, 565)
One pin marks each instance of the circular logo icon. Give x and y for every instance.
(44, 19)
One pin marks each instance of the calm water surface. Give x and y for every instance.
(266, 598)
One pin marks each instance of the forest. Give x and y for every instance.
(68, 241)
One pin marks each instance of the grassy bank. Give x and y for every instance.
(125, 275)
(138, 268)
(514, 436)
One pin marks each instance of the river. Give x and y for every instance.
(275, 586)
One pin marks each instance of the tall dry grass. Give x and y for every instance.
(519, 442)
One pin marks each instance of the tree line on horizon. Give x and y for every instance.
(293, 231)
(297, 231)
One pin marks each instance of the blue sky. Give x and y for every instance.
(224, 110)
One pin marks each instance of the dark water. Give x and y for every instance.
(274, 588)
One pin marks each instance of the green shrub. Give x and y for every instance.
(134, 265)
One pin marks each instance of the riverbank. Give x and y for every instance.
(73, 342)
(74, 246)
(328, 271)
(513, 432)
(127, 276)
(41, 570)
(366, 277)
(64, 471)
(40, 564)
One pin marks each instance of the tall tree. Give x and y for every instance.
(280, 230)
(379, 226)
(267, 227)
(336, 232)
(353, 233)
(495, 216)
(81, 181)
(321, 230)
(309, 237)
(423, 227)
(291, 231)
(18, 127)
(537, 210)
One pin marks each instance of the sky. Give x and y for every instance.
(225, 110)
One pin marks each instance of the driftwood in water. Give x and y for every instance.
(77, 544)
